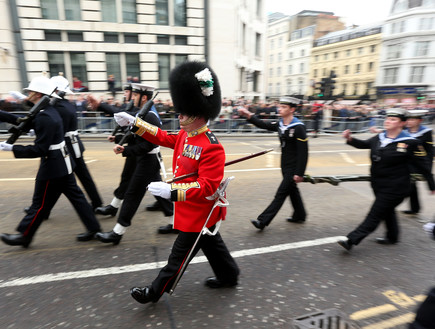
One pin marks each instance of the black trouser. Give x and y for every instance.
(425, 317)
(289, 188)
(147, 170)
(127, 172)
(214, 248)
(83, 174)
(413, 197)
(45, 196)
(382, 209)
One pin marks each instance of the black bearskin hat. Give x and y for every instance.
(195, 90)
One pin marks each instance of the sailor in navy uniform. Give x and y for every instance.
(391, 152)
(54, 176)
(294, 157)
(424, 135)
(73, 142)
(146, 170)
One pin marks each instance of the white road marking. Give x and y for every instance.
(346, 158)
(15, 179)
(52, 277)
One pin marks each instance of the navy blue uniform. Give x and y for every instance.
(54, 176)
(294, 157)
(390, 179)
(76, 148)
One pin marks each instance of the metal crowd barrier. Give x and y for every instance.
(98, 123)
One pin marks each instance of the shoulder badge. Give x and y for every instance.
(211, 137)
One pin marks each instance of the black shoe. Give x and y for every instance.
(16, 239)
(410, 212)
(295, 220)
(345, 244)
(87, 236)
(109, 237)
(154, 207)
(167, 229)
(143, 295)
(106, 210)
(258, 224)
(384, 241)
(213, 282)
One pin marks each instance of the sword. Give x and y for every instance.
(252, 155)
(220, 201)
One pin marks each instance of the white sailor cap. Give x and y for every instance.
(396, 112)
(416, 113)
(289, 100)
(141, 88)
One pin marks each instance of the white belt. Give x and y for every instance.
(155, 150)
(61, 147)
(72, 135)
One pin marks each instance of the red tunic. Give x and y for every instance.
(196, 151)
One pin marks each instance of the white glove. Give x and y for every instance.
(428, 227)
(31, 133)
(160, 189)
(5, 146)
(124, 119)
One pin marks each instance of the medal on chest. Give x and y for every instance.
(401, 147)
(192, 151)
(291, 132)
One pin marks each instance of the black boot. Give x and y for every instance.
(106, 210)
(154, 207)
(16, 239)
(109, 237)
(167, 229)
(143, 295)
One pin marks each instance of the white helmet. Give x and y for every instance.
(62, 84)
(42, 85)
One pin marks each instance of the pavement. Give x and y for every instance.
(287, 270)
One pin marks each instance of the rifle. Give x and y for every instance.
(253, 155)
(335, 180)
(127, 109)
(54, 100)
(141, 114)
(25, 123)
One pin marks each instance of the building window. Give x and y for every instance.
(358, 68)
(131, 38)
(164, 68)
(72, 10)
(279, 57)
(302, 52)
(301, 68)
(163, 39)
(49, 9)
(180, 13)
(129, 11)
(371, 66)
(113, 64)
(315, 73)
(289, 86)
(336, 54)
(180, 59)
(133, 64)
(346, 69)
(290, 55)
(258, 45)
(324, 72)
(422, 48)
(355, 88)
(108, 11)
(75, 36)
(348, 52)
(369, 86)
(390, 75)
(394, 51)
(426, 23)
(111, 38)
(162, 12)
(290, 70)
(278, 89)
(271, 72)
(344, 89)
(181, 40)
(78, 67)
(271, 58)
(55, 63)
(52, 35)
(325, 57)
(278, 71)
(316, 58)
(360, 50)
(372, 48)
(417, 74)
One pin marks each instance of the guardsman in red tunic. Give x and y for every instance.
(196, 96)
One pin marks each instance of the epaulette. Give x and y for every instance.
(211, 137)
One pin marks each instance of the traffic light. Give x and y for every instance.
(331, 81)
(321, 86)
